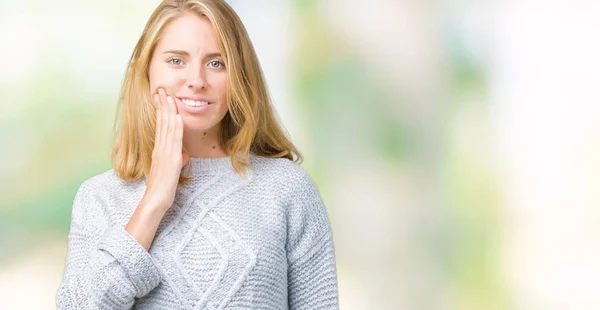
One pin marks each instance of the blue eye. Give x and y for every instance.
(175, 61)
(215, 64)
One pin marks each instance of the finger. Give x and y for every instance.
(172, 121)
(176, 100)
(178, 141)
(169, 128)
(165, 118)
(161, 95)
(178, 134)
(156, 102)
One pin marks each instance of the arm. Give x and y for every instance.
(106, 268)
(312, 276)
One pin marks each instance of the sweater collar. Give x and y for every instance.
(202, 165)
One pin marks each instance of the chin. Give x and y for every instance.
(197, 127)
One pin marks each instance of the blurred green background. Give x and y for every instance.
(456, 143)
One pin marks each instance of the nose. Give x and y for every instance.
(196, 79)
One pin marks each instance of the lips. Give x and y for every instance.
(192, 106)
(194, 103)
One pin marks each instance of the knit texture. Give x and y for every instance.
(226, 243)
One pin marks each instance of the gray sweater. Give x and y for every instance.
(226, 243)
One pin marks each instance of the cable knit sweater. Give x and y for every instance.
(225, 243)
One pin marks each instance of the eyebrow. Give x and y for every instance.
(184, 53)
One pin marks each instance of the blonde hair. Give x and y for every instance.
(249, 125)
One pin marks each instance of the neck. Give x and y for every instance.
(204, 144)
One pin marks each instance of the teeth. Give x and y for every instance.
(194, 103)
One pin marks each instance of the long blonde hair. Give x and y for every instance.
(250, 124)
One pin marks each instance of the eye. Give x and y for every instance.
(216, 64)
(175, 61)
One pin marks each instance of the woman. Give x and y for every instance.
(205, 207)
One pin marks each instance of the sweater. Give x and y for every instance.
(227, 242)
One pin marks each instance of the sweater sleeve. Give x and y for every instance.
(105, 268)
(312, 276)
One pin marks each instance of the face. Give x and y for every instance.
(186, 63)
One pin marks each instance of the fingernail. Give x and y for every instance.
(155, 97)
(161, 91)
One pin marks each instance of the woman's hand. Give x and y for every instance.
(167, 156)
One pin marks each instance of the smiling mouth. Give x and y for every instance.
(194, 103)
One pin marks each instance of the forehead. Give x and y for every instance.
(189, 32)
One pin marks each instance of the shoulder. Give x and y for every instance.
(307, 221)
(107, 182)
(283, 175)
(293, 187)
(106, 189)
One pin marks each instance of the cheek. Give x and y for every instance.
(162, 76)
(220, 84)
(155, 79)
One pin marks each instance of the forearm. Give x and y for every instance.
(107, 266)
(105, 287)
(108, 276)
(144, 222)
